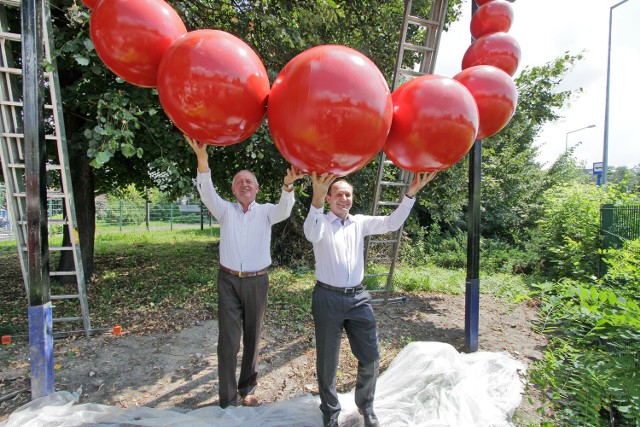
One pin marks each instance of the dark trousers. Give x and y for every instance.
(333, 312)
(242, 303)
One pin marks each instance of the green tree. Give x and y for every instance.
(119, 134)
(512, 180)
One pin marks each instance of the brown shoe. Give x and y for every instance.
(250, 400)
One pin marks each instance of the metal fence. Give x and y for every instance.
(124, 215)
(617, 225)
(6, 230)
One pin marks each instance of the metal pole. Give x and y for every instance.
(147, 207)
(472, 293)
(605, 145)
(40, 309)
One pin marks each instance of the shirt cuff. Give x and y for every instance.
(203, 175)
(408, 201)
(316, 211)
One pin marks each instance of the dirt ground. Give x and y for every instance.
(178, 369)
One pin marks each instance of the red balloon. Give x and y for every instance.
(435, 121)
(498, 49)
(330, 110)
(91, 4)
(213, 87)
(482, 2)
(495, 94)
(130, 36)
(493, 17)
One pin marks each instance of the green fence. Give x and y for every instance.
(618, 224)
(126, 215)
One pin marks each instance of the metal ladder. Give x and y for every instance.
(72, 297)
(420, 37)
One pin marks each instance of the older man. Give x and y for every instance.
(243, 279)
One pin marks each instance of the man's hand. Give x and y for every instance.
(293, 174)
(201, 153)
(321, 186)
(419, 181)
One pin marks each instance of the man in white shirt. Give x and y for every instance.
(243, 279)
(339, 299)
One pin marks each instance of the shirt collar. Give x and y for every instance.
(333, 217)
(251, 206)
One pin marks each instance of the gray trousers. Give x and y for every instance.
(333, 312)
(242, 303)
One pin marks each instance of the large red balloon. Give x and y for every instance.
(435, 121)
(495, 94)
(498, 49)
(493, 17)
(330, 110)
(213, 87)
(91, 4)
(131, 36)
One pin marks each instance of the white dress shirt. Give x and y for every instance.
(245, 238)
(339, 247)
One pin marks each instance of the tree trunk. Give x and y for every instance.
(83, 193)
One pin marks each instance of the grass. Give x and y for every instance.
(163, 278)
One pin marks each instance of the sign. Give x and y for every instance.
(597, 167)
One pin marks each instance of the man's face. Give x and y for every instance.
(245, 187)
(340, 199)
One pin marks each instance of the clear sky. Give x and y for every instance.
(545, 30)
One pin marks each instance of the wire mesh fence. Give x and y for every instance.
(125, 216)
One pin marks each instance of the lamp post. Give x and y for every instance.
(605, 145)
(566, 138)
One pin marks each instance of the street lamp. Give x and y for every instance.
(566, 139)
(605, 145)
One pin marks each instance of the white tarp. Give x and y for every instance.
(427, 384)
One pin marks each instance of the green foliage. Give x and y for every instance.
(3, 196)
(569, 228)
(623, 269)
(628, 179)
(590, 370)
(497, 256)
(512, 180)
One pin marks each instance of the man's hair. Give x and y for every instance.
(338, 182)
(246, 170)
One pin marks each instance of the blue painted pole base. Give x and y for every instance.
(472, 314)
(41, 350)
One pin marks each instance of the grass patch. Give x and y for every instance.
(431, 278)
(165, 278)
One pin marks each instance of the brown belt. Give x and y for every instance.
(244, 273)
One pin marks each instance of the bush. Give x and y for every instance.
(590, 370)
(569, 231)
(623, 269)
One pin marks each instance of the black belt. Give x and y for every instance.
(244, 273)
(342, 290)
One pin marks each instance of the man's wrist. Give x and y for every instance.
(410, 196)
(288, 186)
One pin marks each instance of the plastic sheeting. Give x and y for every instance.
(427, 384)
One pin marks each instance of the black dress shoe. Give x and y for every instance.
(330, 421)
(370, 419)
(333, 422)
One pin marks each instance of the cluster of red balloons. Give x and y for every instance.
(436, 119)
(329, 109)
(211, 84)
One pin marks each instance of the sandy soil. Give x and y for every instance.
(178, 369)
